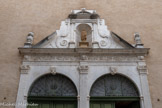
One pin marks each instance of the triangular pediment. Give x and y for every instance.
(83, 29)
(115, 42)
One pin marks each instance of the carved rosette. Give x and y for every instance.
(62, 42)
(83, 69)
(25, 69)
(103, 43)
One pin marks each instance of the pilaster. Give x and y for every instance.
(145, 94)
(83, 84)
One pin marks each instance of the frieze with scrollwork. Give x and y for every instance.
(79, 58)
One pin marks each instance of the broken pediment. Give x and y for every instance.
(83, 29)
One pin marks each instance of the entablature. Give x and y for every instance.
(134, 51)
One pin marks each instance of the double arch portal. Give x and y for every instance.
(108, 91)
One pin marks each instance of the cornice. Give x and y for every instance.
(132, 51)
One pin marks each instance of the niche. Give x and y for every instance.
(84, 36)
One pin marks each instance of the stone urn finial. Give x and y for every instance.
(29, 40)
(137, 39)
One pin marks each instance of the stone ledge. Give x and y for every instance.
(133, 51)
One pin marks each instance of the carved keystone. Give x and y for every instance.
(83, 69)
(113, 70)
(53, 70)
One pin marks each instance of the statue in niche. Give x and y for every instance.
(83, 36)
(83, 43)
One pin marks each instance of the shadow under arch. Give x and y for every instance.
(49, 85)
(117, 91)
(114, 85)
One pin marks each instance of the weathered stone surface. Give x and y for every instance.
(62, 59)
(43, 17)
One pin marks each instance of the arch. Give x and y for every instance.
(52, 85)
(114, 85)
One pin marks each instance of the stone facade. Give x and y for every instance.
(124, 18)
(107, 53)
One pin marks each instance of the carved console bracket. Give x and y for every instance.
(142, 68)
(83, 69)
(24, 69)
(113, 70)
(26, 57)
(53, 70)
